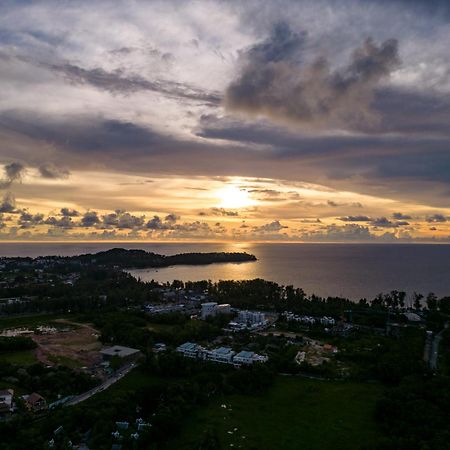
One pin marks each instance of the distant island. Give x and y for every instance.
(140, 259)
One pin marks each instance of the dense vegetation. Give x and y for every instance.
(381, 357)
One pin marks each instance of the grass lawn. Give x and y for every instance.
(22, 358)
(28, 321)
(296, 413)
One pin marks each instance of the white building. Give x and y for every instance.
(6, 400)
(190, 350)
(208, 309)
(224, 355)
(250, 318)
(212, 309)
(245, 357)
(221, 354)
(223, 308)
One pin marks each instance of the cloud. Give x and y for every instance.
(383, 222)
(119, 82)
(436, 218)
(276, 82)
(8, 204)
(13, 172)
(29, 220)
(67, 212)
(401, 216)
(89, 219)
(52, 171)
(355, 219)
(64, 222)
(348, 232)
(272, 227)
(172, 218)
(157, 224)
(224, 212)
(122, 220)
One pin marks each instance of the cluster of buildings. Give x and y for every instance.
(309, 320)
(248, 320)
(32, 402)
(211, 309)
(125, 428)
(224, 355)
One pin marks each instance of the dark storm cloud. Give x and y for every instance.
(52, 171)
(117, 82)
(247, 150)
(276, 83)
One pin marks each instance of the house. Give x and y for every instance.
(6, 401)
(35, 402)
(125, 353)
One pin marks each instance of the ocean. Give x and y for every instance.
(349, 270)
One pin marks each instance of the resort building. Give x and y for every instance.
(190, 350)
(221, 354)
(211, 309)
(245, 357)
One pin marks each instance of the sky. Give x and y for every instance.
(310, 121)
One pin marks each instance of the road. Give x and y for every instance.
(118, 375)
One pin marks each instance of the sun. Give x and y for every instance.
(233, 197)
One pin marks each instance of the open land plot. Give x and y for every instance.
(59, 341)
(76, 346)
(295, 413)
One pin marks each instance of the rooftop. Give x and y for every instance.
(245, 354)
(118, 350)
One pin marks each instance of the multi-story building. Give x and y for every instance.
(250, 318)
(190, 350)
(221, 354)
(245, 357)
(212, 309)
(208, 309)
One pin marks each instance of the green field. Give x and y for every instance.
(22, 358)
(296, 413)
